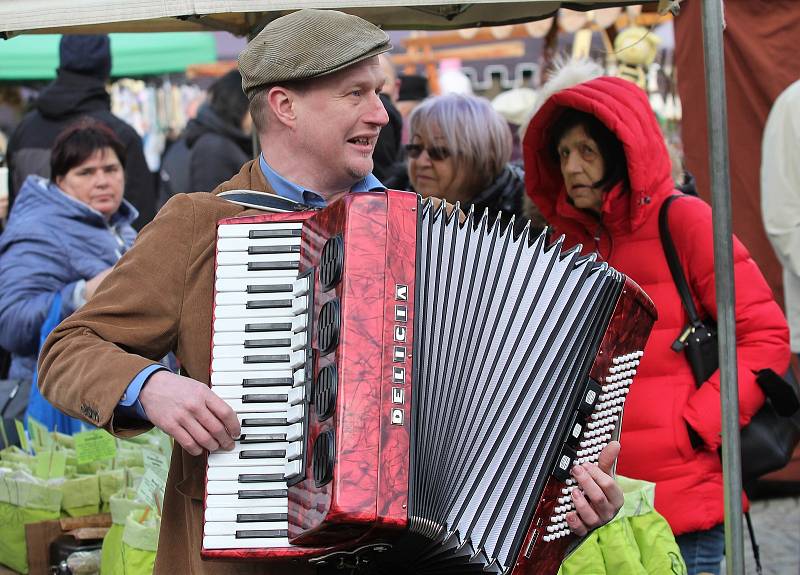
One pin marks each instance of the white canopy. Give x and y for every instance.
(244, 16)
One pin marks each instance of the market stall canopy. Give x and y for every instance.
(36, 57)
(245, 16)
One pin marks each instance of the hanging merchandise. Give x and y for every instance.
(157, 109)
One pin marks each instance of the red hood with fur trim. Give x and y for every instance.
(625, 110)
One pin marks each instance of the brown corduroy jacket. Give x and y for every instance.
(157, 300)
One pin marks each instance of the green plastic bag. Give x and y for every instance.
(23, 499)
(123, 505)
(111, 481)
(638, 541)
(81, 495)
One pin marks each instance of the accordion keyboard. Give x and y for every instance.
(259, 360)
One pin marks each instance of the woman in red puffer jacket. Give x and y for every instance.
(597, 168)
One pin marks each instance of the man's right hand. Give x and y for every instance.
(190, 412)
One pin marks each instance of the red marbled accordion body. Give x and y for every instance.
(366, 501)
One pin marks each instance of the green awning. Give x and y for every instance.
(35, 57)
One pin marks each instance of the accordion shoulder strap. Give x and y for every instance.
(263, 201)
(674, 263)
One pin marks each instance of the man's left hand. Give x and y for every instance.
(601, 497)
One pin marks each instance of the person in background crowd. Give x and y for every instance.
(412, 90)
(79, 90)
(388, 150)
(214, 144)
(63, 237)
(459, 151)
(313, 79)
(780, 197)
(597, 167)
(515, 106)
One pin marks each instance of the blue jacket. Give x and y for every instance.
(52, 243)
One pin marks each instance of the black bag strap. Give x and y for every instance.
(263, 201)
(674, 263)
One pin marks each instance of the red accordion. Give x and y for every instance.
(413, 387)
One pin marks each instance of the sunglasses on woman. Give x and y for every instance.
(435, 153)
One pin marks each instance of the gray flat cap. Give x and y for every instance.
(307, 44)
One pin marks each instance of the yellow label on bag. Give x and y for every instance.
(94, 445)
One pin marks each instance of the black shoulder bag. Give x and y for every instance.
(768, 441)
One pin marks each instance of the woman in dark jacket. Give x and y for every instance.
(459, 150)
(597, 167)
(214, 145)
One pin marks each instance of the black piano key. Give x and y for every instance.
(274, 326)
(269, 304)
(263, 421)
(256, 534)
(262, 437)
(269, 266)
(262, 493)
(259, 477)
(263, 234)
(259, 343)
(261, 517)
(267, 382)
(265, 398)
(261, 250)
(270, 288)
(262, 454)
(282, 358)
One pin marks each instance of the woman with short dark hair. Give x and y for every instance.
(63, 236)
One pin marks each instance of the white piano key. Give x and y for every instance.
(224, 378)
(241, 271)
(243, 244)
(296, 359)
(298, 323)
(243, 230)
(216, 473)
(237, 391)
(233, 487)
(293, 468)
(299, 305)
(241, 350)
(239, 337)
(239, 447)
(243, 258)
(244, 408)
(241, 298)
(229, 459)
(299, 341)
(232, 514)
(228, 500)
(299, 377)
(228, 528)
(296, 395)
(288, 277)
(254, 417)
(294, 450)
(295, 413)
(230, 542)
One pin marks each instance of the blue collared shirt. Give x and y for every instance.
(130, 405)
(286, 189)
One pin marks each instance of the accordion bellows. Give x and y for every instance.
(453, 374)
